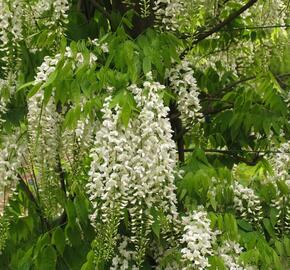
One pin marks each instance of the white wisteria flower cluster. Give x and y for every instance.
(11, 18)
(197, 239)
(134, 167)
(282, 206)
(229, 252)
(281, 162)
(183, 83)
(168, 13)
(44, 126)
(174, 15)
(125, 258)
(11, 159)
(16, 22)
(247, 203)
(49, 64)
(44, 141)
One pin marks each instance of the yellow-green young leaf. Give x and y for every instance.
(71, 212)
(81, 208)
(216, 263)
(47, 95)
(58, 239)
(89, 265)
(146, 64)
(213, 202)
(34, 90)
(25, 86)
(51, 78)
(47, 259)
(283, 187)
(41, 242)
(231, 226)
(125, 114)
(279, 248)
(286, 243)
(75, 91)
(156, 228)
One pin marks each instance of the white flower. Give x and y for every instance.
(124, 258)
(229, 252)
(197, 239)
(103, 46)
(133, 167)
(247, 203)
(183, 83)
(12, 151)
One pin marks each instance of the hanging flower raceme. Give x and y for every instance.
(167, 13)
(133, 168)
(12, 150)
(124, 259)
(281, 162)
(183, 83)
(197, 239)
(247, 204)
(229, 252)
(12, 15)
(281, 203)
(45, 127)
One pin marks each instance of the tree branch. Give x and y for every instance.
(260, 27)
(202, 35)
(101, 9)
(177, 128)
(31, 197)
(258, 155)
(231, 151)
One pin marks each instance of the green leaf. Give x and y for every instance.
(51, 78)
(283, 187)
(71, 212)
(47, 259)
(89, 265)
(25, 86)
(75, 91)
(73, 234)
(125, 114)
(156, 228)
(269, 228)
(25, 262)
(245, 225)
(216, 263)
(34, 90)
(58, 239)
(42, 241)
(47, 95)
(146, 64)
(81, 208)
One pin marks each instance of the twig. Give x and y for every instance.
(34, 201)
(101, 9)
(231, 151)
(259, 27)
(201, 35)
